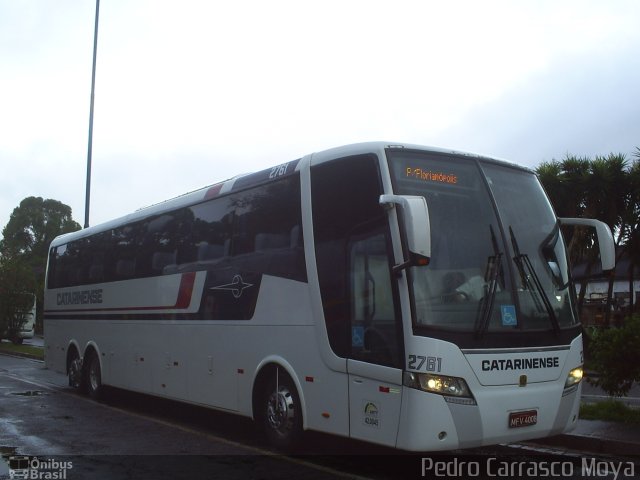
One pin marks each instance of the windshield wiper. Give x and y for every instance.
(529, 276)
(491, 277)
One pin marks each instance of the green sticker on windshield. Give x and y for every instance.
(508, 315)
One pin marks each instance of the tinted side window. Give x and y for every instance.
(211, 233)
(351, 230)
(265, 238)
(258, 229)
(267, 229)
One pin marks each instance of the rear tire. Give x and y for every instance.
(74, 371)
(93, 377)
(281, 412)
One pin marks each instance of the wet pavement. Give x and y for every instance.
(613, 438)
(41, 418)
(62, 424)
(596, 436)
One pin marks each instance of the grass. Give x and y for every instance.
(610, 410)
(27, 350)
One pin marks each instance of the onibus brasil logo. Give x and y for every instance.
(24, 467)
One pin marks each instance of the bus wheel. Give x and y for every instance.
(282, 413)
(94, 377)
(75, 371)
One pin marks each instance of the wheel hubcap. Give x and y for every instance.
(281, 411)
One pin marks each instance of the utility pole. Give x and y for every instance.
(93, 87)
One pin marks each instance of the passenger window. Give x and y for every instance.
(211, 236)
(267, 232)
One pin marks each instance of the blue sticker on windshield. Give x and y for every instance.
(508, 315)
(357, 336)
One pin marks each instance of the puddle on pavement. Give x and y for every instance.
(29, 393)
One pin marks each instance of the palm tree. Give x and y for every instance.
(607, 188)
(633, 221)
(613, 171)
(575, 177)
(549, 174)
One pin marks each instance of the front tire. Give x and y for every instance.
(282, 415)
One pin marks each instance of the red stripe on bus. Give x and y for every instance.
(186, 289)
(185, 292)
(213, 191)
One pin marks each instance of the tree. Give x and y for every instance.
(606, 188)
(581, 240)
(608, 200)
(15, 281)
(614, 354)
(566, 184)
(632, 219)
(26, 239)
(33, 225)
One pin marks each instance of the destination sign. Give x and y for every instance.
(418, 173)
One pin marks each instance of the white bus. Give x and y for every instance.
(407, 296)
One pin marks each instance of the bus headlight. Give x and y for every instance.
(454, 389)
(574, 378)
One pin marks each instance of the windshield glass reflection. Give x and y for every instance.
(485, 275)
(539, 256)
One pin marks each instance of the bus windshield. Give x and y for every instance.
(492, 269)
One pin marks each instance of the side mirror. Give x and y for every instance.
(605, 239)
(417, 228)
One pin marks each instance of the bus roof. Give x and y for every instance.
(240, 182)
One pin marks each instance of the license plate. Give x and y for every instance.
(523, 419)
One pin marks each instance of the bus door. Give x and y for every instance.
(374, 364)
(359, 298)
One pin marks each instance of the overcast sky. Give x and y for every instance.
(191, 92)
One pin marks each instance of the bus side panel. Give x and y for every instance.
(214, 363)
(56, 341)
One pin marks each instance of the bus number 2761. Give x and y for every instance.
(279, 170)
(420, 362)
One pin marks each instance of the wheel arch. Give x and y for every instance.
(267, 367)
(91, 348)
